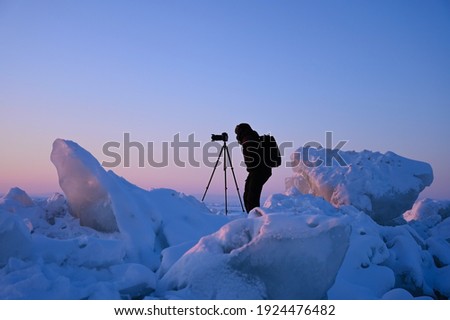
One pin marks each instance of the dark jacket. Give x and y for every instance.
(249, 139)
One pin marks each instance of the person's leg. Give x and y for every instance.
(254, 185)
(247, 192)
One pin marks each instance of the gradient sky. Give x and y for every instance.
(376, 73)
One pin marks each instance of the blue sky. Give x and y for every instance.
(376, 73)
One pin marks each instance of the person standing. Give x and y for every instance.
(258, 171)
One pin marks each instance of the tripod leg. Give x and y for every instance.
(225, 176)
(227, 152)
(212, 174)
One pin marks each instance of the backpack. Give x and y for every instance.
(270, 151)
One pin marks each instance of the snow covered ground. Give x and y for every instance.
(108, 239)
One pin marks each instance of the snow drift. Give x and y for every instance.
(382, 185)
(148, 221)
(383, 262)
(106, 238)
(273, 256)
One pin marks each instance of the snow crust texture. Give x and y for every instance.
(272, 256)
(382, 185)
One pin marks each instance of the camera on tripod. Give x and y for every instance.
(226, 158)
(219, 137)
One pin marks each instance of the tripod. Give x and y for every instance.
(226, 154)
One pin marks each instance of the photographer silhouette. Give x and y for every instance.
(258, 170)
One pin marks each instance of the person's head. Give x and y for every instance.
(242, 130)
